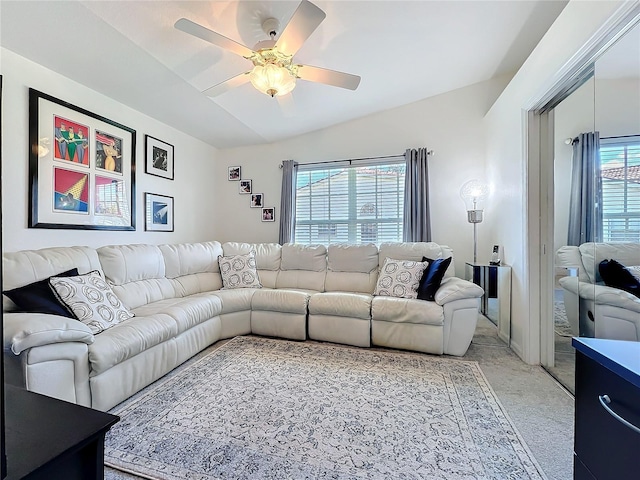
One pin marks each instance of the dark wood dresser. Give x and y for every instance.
(50, 439)
(607, 409)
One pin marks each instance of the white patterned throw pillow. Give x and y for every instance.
(90, 299)
(400, 278)
(239, 271)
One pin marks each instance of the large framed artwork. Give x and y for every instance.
(81, 168)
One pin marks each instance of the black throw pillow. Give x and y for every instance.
(616, 275)
(432, 277)
(38, 297)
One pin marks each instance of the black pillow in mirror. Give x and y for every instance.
(37, 297)
(614, 274)
(432, 277)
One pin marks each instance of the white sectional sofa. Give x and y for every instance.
(180, 307)
(602, 311)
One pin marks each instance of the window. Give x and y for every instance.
(352, 204)
(620, 174)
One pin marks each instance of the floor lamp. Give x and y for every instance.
(473, 193)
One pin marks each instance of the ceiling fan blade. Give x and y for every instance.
(227, 85)
(304, 21)
(210, 36)
(329, 77)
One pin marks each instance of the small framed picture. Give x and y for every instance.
(268, 214)
(234, 174)
(159, 157)
(257, 200)
(158, 213)
(245, 186)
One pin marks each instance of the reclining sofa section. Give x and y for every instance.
(180, 307)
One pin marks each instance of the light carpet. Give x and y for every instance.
(270, 409)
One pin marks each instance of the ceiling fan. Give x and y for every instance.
(274, 72)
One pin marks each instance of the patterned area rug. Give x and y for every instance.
(561, 323)
(260, 408)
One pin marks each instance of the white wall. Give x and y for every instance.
(506, 155)
(617, 104)
(450, 124)
(194, 165)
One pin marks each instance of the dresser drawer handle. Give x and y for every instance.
(605, 401)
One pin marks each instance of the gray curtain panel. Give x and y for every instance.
(417, 222)
(585, 213)
(288, 202)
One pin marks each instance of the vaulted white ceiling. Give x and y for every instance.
(403, 50)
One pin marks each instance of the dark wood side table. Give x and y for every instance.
(50, 439)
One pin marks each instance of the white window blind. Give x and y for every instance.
(361, 203)
(620, 174)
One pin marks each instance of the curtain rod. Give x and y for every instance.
(429, 152)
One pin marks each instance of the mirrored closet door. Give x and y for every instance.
(596, 200)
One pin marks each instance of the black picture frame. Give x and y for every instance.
(159, 212)
(158, 158)
(79, 182)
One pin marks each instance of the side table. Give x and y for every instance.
(496, 301)
(47, 438)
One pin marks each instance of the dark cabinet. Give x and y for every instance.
(50, 439)
(607, 396)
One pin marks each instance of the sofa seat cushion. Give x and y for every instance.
(129, 338)
(341, 304)
(153, 324)
(235, 300)
(187, 312)
(285, 301)
(406, 310)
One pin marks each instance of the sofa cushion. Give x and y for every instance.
(235, 300)
(267, 258)
(38, 297)
(400, 278)
(186, 311)
(267, 254)
(91, 300)
(285, 301)
(137, 273)
(28, 266)
(616, 275)
(415, 251)
(130, 263)
(239, 271)
(192, 267)
(128, 339)
(191, 258)
(303, 267)
(594, 253)
(351, 268)
(432, 277)
(341, 304)
(405, 310)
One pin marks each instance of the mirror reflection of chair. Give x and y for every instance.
(604, 311)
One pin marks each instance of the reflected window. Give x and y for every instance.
(620, 197)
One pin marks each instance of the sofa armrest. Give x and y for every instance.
(27, 330)
(454, 288)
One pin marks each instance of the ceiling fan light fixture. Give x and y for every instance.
(272, 79)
